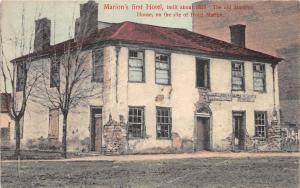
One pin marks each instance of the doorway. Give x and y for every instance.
(96, 129)
(239, 127)
(202, 134)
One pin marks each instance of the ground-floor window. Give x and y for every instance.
(5, 132)
(260, 124)
(136, 122)
(163, 122)
(53, 123)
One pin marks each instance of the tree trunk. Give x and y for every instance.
(18, 139)
(64, 138)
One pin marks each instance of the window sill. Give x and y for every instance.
(260, 138)
(96, 81)
(136, 82)
(235, 91)
(136, 138)
(163, 138)
(203, 88)
(163, 84)
(260, 92)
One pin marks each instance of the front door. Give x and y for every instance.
(202, 134)
(238, 131)
(96, 130)
(98, 135)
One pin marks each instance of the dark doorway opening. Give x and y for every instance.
(202, 134)
(96, 129)
(239, 128)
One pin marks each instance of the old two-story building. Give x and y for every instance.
(162, 90)
(5, 120)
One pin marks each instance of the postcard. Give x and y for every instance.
(148, 93)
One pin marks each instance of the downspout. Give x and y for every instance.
(274, 113)
(117, 72)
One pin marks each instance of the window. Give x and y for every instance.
(5, 134)
(53, 123)
(238, 76)
(162, 69)
(136, 66)
(259, 77)
(97, 66)
(136, 122)
(202, 73)
(163, 122)
(260, 124)
(20, 76)
(55, 73)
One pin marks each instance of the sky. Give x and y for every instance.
(15, 14)
(63, 14)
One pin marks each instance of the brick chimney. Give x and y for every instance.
(237, 34)
(42, 34)
(86, 25)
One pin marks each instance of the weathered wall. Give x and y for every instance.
(271, 27)
(222, 111)
(182, 96)
(36, 119)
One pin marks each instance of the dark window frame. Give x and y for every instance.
(5, 133)
(160, 116)
(169, 69)
(206, 72)
(243, 76)
(260, 125)
(255, 77)
(132, 123)
(21, 71)
(100, 77)
(143, 69)
(51, 136)
(54, 68)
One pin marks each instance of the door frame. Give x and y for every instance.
(233, 130)
(91, 122)
(207, 115)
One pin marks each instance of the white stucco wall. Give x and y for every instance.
(181, 96)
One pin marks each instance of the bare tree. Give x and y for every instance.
(17, 79)
(70, 87)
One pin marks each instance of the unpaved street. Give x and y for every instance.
(185, 172)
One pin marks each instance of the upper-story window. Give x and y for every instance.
(202, 73)
(162, 69)
(20, 76)
(54, 73)
(259, 77)
(97, 66)
(136, 66)
(238, 76)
